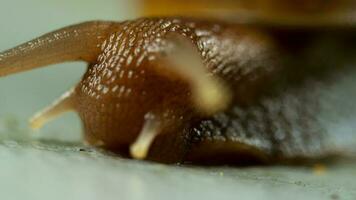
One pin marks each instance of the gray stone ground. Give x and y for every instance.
(33, 166)
(35, 170)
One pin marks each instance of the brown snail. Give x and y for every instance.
(196, 90)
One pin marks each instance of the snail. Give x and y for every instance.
(196, 90)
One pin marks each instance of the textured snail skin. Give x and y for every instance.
(272, 76)
(122, 87)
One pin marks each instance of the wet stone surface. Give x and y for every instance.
(53, 170)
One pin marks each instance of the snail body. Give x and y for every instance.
(187, 90)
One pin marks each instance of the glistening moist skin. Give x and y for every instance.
(188, 90)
